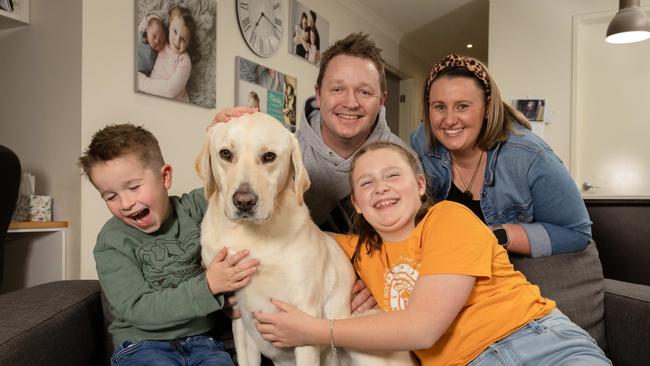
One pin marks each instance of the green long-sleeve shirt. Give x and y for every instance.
(154, 282)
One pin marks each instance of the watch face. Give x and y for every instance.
(261, 24)
(501, 235)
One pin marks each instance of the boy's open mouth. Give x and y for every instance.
(140, 214)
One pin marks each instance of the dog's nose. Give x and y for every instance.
(244, 199)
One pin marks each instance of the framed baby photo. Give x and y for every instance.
(175, 50)
(308, 32)
(532, 109)
(271, 91)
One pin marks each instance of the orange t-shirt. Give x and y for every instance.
(450, 239)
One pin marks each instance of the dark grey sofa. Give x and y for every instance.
(62, 323)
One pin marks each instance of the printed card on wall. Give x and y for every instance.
(532, 109)
(175, 50)
(308, 33)
(269, 90)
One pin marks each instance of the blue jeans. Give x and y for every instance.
(551, 340)
(190, 351)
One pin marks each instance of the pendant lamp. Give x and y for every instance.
(629, 25)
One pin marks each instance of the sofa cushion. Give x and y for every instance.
(575, 281)
(63, 319)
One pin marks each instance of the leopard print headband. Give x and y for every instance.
(473, 65)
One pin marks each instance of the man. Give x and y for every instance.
(346, 113)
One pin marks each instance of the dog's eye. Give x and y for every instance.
(268, 157)
(225, 154)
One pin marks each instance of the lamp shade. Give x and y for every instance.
(630, 24)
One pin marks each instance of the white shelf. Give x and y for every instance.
(18, 17)
(35, 253)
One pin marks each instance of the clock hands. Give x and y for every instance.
(265, 17)
(262, 36)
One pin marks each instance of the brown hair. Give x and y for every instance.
(368, 236)
(500, 115)
(357, 45)
(114, 141)
(185, 14)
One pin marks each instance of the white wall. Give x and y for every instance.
(530, 55)
(108, 96)
(40, 106)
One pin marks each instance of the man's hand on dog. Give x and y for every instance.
(226, 114)
(362, 299)
(230, 273)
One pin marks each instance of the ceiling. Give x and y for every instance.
(431, 29)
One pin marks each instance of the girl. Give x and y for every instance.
(300, 36)
(447, 288)
(313, 53)
(174, 62)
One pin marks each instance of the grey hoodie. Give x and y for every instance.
(328, 198)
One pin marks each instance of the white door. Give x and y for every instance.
(611, 112)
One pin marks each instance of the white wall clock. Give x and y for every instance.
(261, 24)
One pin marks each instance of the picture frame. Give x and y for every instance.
(186, 73)
(271, 91)
(308, 33)
(7, 5)
(532, 109)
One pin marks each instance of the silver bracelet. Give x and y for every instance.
(333, 352)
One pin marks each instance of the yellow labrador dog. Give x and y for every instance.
(254, 179)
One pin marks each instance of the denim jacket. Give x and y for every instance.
(525, 183)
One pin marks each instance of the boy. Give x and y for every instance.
(148, 255)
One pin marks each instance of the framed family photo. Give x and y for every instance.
(308, 33)
(532, 109)
(271, 91)
(175, 50)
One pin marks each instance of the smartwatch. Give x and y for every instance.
(502, 235)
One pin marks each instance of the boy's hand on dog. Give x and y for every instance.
(226, 114)
(230, 273)
(362, 299)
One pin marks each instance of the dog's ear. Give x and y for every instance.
(300, 177)
(203, 168)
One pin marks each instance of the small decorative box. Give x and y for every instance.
(33, 208)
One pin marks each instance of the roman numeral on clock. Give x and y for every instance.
(246, 24)
(252, 37)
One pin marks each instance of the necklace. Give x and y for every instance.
(468, 187)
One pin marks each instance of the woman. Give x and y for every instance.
(479, 151)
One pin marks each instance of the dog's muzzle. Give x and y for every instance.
(244, 200)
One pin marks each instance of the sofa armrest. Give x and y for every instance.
(57, 323)
(627, 322)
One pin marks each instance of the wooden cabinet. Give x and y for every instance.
(19, 16)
